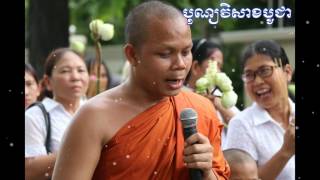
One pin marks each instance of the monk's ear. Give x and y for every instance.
(131, 54)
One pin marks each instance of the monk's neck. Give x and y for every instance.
(140, 96)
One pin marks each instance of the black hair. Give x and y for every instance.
(138, 19)
(202, 49)
(28, 68)
(266, 47)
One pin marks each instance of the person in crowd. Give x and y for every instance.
(266, 129)
(107, 80)
(31, 85)
(66, 77)
(242, 165)
(203, 51)
(134, 129)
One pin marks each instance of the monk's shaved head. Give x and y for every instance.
(237, 156)
(138, 20)
(242, 165)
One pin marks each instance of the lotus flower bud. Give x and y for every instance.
(94, 25)
(201, 85)
(212, 68)
(106, 31)
(77, 46)
(229, 99)
(223, 82)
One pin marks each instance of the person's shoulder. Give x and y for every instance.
(245, 117)
(100, 106)
(33, 112)
(92, 114)
(101, 103)
(95, 113)
(34, 117)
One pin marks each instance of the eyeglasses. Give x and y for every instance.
(263, 72)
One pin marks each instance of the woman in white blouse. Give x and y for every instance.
(66, 79)
(266, 129)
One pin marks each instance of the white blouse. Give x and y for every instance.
(35, 127)
(256, 132)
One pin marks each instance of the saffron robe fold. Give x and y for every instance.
(150, 146)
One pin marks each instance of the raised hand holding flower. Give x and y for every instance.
(213, 78)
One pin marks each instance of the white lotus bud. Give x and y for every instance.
(201, 85)
(94, 25)
(212, 68)
(106, 31)
(223, 82)
(77, 46)
(229, 99)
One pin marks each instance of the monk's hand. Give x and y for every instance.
(198, 153)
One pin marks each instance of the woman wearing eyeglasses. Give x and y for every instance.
(266, 129)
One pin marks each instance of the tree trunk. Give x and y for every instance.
(48, 29)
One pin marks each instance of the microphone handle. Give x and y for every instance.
(187, 132)
(195, 174)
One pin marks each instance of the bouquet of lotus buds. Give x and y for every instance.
(100, 31)
(213, 80)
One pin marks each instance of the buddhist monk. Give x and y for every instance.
(133, 131)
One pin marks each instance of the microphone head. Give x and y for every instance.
(189, 118)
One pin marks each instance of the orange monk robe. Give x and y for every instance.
(150, 146)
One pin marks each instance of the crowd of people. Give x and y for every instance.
(132, 129)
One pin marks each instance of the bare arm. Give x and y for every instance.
(275, 165)
(39, 168)
(81, 147)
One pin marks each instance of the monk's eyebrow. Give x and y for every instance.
(188, 47)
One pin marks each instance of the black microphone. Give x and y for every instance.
(189, 119)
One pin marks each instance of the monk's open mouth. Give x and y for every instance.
(174, 83)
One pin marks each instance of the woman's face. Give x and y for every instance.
(69, 79)
(92, 90)
(103, 77)
(31, 89)
(271, 90)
